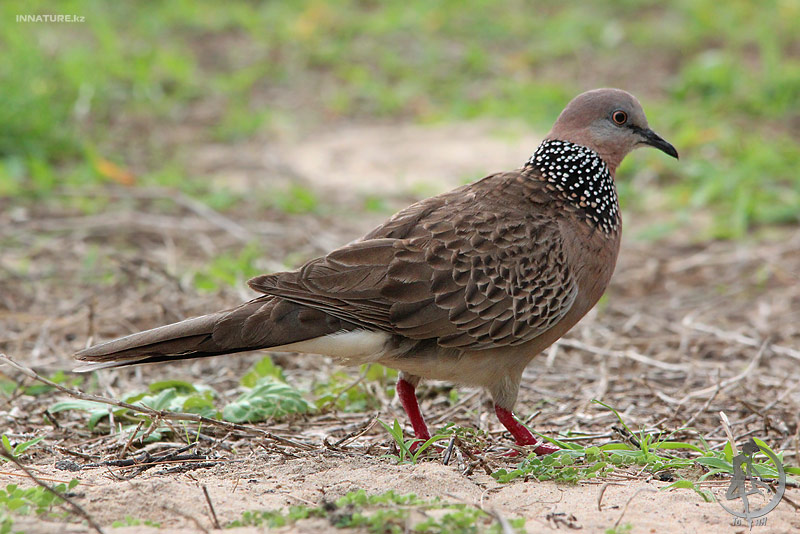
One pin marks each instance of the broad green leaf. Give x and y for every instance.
(262, 368)
(269, 399)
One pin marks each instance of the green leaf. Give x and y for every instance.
(728, 451)
(761, 443)
(135, 397)
(715, 463)
(203, 405)
(677, 445)
(617, 447)
(269, 399)
(97, 410)
(20, 448)
(616, 413)
(688, 484)
(680, 484)
(179, 385)
(264, 367)
(15, 504)
(162, 401)
(423, 446)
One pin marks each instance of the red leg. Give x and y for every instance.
(405, 390)
(521, 434)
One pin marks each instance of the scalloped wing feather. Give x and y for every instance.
(474, 271)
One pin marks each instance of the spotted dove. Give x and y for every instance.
(467, 286)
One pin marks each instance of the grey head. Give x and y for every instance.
(609, 121)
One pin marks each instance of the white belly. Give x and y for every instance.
(499, 370)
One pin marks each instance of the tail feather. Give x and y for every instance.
(261, 323)
(172, 337)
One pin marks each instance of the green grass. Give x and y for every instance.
(229, 269)
(341, 392)
(9, 387)
(16, 450)
(16, 501)
(719, 80)
(625, 528)
(385, 513)
(131, 521)
(651, 453)
(405, 453)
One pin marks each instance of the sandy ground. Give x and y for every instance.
(271, 483)
(697, 312)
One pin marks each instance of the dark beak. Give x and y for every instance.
(649, 137)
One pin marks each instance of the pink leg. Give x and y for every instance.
(405, 390)
(522, 434)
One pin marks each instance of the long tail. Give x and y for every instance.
(261, 323)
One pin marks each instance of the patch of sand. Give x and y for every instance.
(177, 502)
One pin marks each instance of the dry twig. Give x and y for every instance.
(631, 355)
(211, 507)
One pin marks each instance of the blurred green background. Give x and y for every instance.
(81, 104)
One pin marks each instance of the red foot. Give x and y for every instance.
(521, 434)
(409, 401)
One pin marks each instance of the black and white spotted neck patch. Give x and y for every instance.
(582, 177)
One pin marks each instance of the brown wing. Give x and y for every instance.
(478, 267)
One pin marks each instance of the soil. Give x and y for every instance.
(688, 329)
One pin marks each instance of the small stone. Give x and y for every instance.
(67, 465)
